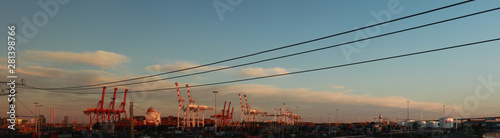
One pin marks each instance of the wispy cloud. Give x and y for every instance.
(179, 65)
(256, 72)
(337, 87)
(273, 93)
(102, 59)
(340, 89)
(54, 77)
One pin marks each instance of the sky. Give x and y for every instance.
(62, 43)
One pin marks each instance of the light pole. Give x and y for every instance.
(408, 110)
(297, 119)
(297, 110)
(329, 127)
(408, 116)
(421, 118)
(421, 115)
(337, 116)
(444, 115)
(297, 115)
(36, 117)
(399, 116)
(321, 118)
(311, 118)
(215, 92)
(39, 121)
(359, 118)
(444, 119)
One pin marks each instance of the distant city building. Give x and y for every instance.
(42, 119)
(446, 122)
(66, 120)
(4, 121)
(21, 121)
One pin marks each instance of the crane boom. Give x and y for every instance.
(191, 100)
(242, 109)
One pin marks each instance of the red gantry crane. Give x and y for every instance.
(224, 117)
(110, 110)
(99, 113)
(218, 116)
(121, 108)
(96, 111)
(232, 109)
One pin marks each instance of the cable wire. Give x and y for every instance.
(294, 54)
(319, 69)
(25, 106)
(270, 50)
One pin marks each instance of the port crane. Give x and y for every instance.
(191, 112)
(101, 114)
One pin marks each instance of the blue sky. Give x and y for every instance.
(133, 36)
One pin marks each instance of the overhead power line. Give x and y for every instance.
(25, 106)
(316, 69)
(265, 51)
(289, 55)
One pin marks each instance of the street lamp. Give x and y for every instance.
(297, 119)
(36, 117)
(444, 115)
(337, 115)
(329, 127)
(408, 116)
(359, 120)
(297, 115)
(38, 120)
(215, 92)
(311, 119)
(444, 119)
(408, 110)
(297, 110)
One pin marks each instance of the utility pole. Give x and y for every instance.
(297, 116)
(329, 127)
(215, 112)
(421, 115)
(297, 119)
(321, 118)
(311, 118)
(359, 117)
(444, 119)
(132, 119)
(337, 116)
(421, 118)
(408, 110)
(297, 110)
(408, 116)
(39, 121)
(456, 121)
(36, 118)
(444, 115)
